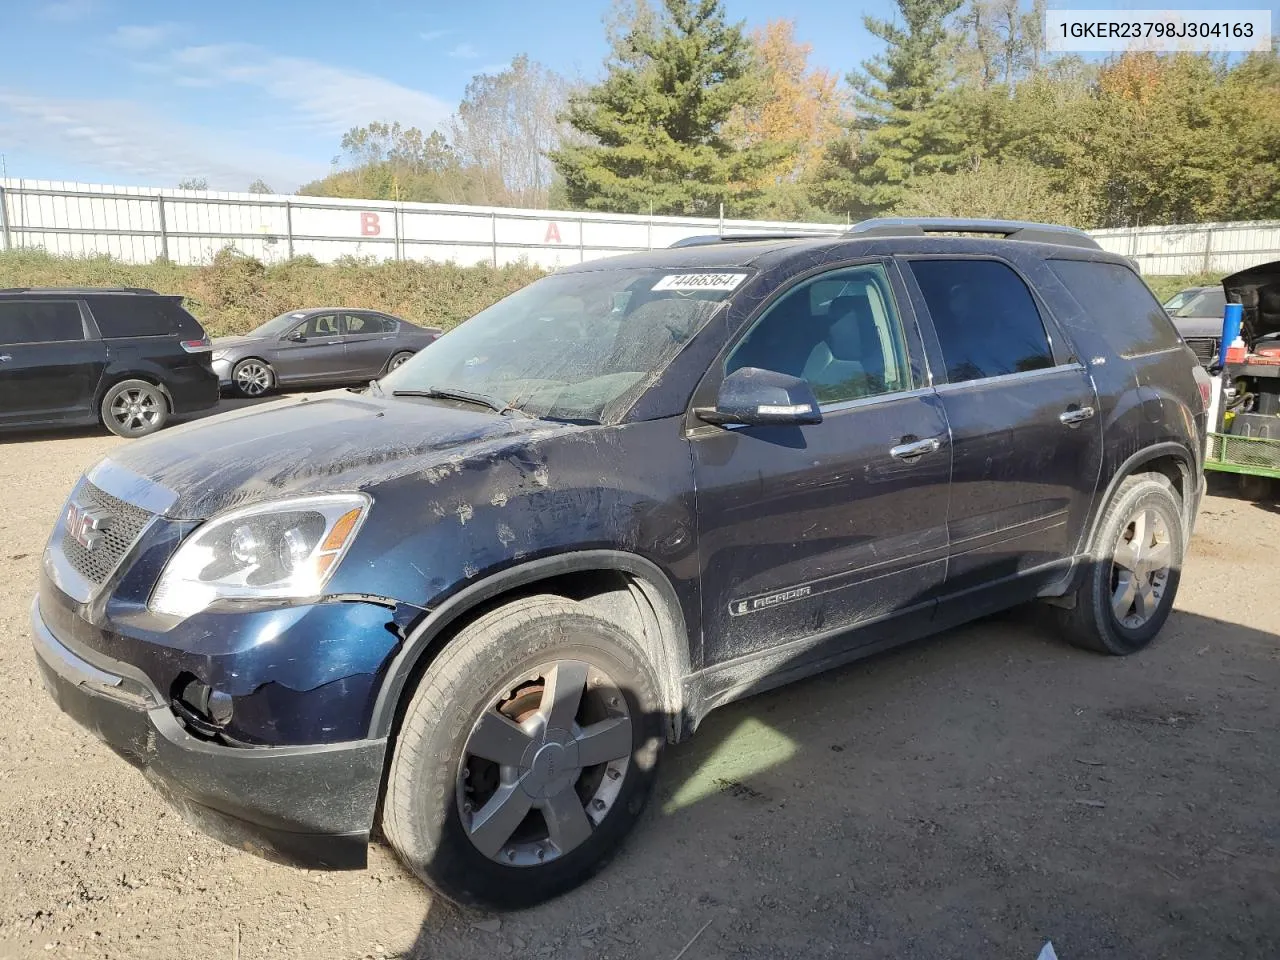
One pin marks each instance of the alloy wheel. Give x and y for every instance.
(399, 360)
(1140, 568)
(544, 764)
(136, 409)
(252, 379)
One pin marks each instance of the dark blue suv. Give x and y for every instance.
(478, 596)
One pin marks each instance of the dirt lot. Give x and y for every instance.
(970, 796)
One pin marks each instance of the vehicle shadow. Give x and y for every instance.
(973, 794)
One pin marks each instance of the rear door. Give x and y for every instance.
(1027, 441)
(49, 365)
(370, 342)
(313, 351)
(808, 531)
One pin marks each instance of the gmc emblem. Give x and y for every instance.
(85, 524)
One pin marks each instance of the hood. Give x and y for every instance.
(330, 442)
(1258, 291)
(1198, 328)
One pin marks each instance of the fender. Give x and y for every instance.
(669, 652)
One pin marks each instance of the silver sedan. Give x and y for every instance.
(323, 346)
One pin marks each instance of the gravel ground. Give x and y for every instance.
(973, 795)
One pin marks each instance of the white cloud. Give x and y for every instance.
(142, 36)
(464, 51)
(330, 99)
(433, 35)
(128, 139)
(67, 11)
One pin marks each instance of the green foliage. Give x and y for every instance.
(655, 123)
(235, 293)
(193, 183)
(1003, 190)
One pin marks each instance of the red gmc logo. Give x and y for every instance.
(85, 524)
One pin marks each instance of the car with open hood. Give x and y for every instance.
(472, 601)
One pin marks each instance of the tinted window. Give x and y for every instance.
(839, 331)
(133, 316)
(39, 321)
(986, 320)
(368, 323)
(1125, 312)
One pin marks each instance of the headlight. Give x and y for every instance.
(282, 549)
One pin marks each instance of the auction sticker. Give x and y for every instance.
(700, 281)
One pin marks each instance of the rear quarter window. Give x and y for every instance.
(1124, 311)
(137, 316)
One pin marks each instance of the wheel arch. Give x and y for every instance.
(620, 586)
(1171, 459)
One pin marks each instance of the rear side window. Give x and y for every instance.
(985, 317)
(39, 321)
(1127, 316)
(135, 316)
(368, 323)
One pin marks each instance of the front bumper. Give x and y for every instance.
(222, 367)
(305, 805)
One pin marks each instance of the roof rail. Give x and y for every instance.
(80, 290)
(1008, 229)
(709, 238)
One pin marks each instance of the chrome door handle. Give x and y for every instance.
(916, 448)
(5, 357)
(1076, 416)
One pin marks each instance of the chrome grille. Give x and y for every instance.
(119, 533)
(1206, 349)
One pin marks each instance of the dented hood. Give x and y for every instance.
(1258, 291)
(330, 442)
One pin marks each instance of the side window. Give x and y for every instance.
(321, 325)
(132, 316)
(986, 320)
(840, 331)
(366, 323)
(1125, 313)
(39, 321)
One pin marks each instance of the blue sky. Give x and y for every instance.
(149, 92)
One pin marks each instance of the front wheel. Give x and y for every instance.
(134, 408)
(252, 378)
(1135, 565)
(527, 753)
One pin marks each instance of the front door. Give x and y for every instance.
(49, 370)
(1024, 424)
(808, 531)
(313, 351)
(369, 343)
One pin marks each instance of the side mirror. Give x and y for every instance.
(761, 398)
(297, 337)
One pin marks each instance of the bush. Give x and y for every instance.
(234, 293)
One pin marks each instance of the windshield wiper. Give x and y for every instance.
(450, 393)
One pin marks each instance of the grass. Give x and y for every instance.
(1166, 286)
(234, 293)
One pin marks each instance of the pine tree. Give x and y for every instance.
(655, 123)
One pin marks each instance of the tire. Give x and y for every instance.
(1093, 622)
(438, 789)
(1254, 487)
(399, 358)
(252, 377)
(134, 408)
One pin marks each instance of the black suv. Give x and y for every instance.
(478, 597)
(125, 357)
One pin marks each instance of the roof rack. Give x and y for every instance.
(1007, 229)
(80, 290)
(709, 238)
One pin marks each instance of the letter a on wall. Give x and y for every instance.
(553, 233)
(369, 226)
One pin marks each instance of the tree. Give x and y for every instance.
(260, 186)
(1003, 190)
(508, 124)
(193, 183)
(799, 112)
(654, 127)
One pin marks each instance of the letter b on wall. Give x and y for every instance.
(369, 226)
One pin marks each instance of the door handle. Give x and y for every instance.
(4, 358)
(1076, 415)
(915, 448)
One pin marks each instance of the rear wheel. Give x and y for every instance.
(1254, 487)
(399, 360)
(1136, 563)
(527, 753)
(252, 377)
(134, 408)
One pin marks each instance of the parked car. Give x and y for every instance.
(1197, 314)
(125, 357)
(478, 597)
(325, 346)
